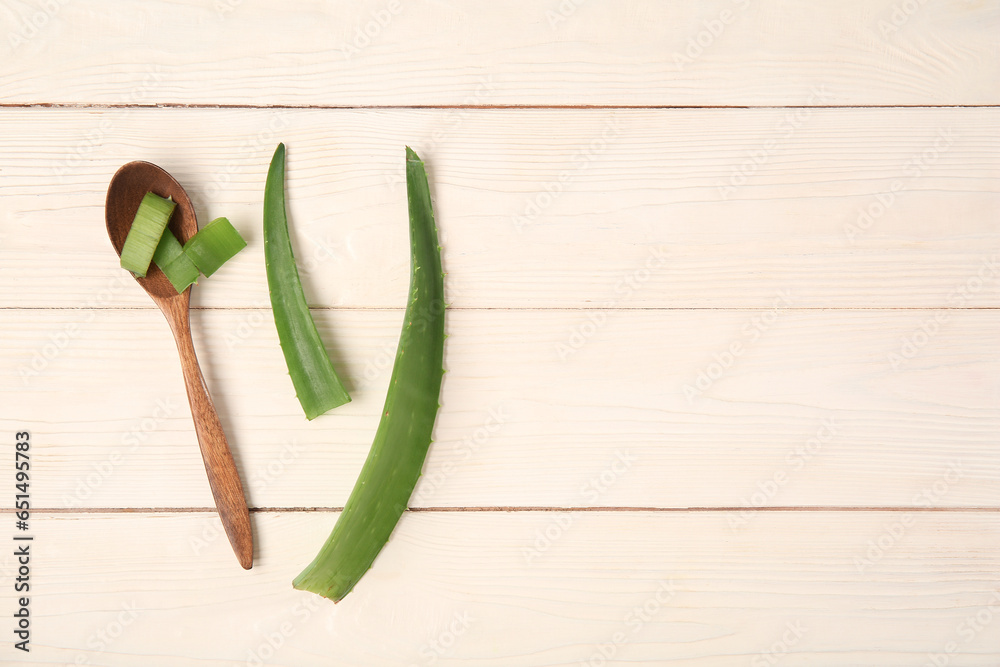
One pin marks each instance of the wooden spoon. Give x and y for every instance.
(126, 190)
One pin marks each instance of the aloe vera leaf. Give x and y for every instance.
(404, 432)
(317, 385)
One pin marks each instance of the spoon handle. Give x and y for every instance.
(223, 477)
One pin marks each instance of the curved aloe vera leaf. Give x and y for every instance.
(316, 383)
(404, 432)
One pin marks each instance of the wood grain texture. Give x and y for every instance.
(538, 208)
(815, 409)
(771, 324)
(722, 52)
(486, 589)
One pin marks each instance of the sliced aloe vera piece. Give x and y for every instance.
(316, 383)
(175, 264)
(147, 229)
(214, 245)
(404, 432)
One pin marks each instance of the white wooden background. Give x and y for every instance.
(723, 367)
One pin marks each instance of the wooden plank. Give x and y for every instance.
(652, 408)
(537, 208)
(462, 588)
(641, 52)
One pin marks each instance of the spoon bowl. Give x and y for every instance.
(127, 188)
(125, 193)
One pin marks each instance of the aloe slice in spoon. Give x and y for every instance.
(177, 266)
(145, 233)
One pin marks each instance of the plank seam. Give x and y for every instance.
(527, 508)
(526, 308)
(389, 107)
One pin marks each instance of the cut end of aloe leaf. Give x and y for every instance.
(334, 592)
(214, 245)
(145, 233)
(176, 266)
(337, 396)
